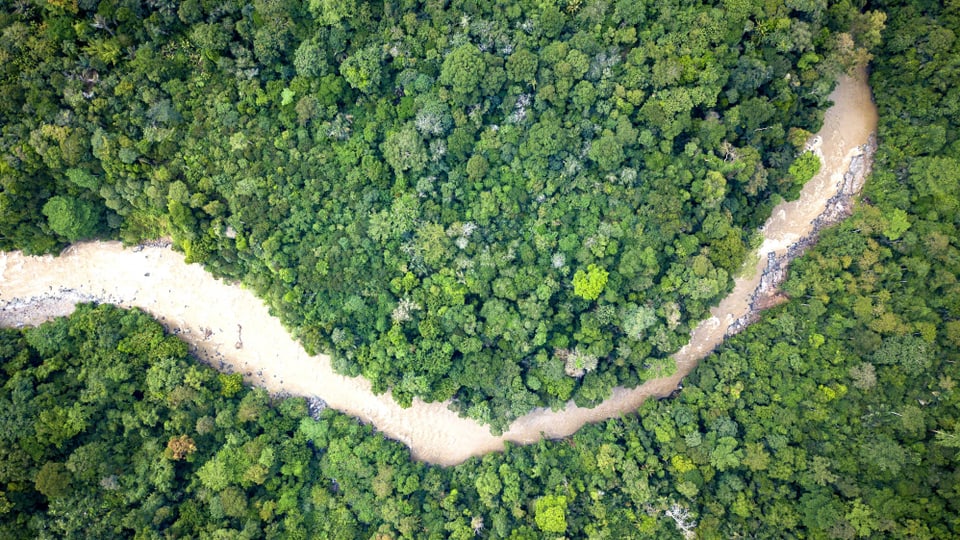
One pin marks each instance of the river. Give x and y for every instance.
(230, 328)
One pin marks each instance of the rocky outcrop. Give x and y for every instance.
(838, 207)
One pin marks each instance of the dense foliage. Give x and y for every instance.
(836, 416)
(458, 200)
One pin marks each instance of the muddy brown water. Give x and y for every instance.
(216, 317)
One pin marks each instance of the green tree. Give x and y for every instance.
(522, 66)
(53, 480)
(488, 486)
(477, 167)
(463, 69)
(363, 69)
(404, 150)
(607, 152)
(83, 178)
(72, 218)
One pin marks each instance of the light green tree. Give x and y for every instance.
(805, 167)
(588, 285)
(330, 12)
(898, 224)
(636, 320)
(551, 513)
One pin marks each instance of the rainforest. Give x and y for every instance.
(501, 207)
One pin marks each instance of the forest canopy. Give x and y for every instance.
(835, 416)
(451, 198)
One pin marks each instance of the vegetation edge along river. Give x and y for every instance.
(231, 329)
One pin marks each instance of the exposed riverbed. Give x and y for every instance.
(230, 328)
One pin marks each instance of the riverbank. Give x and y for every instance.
(231, 329)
